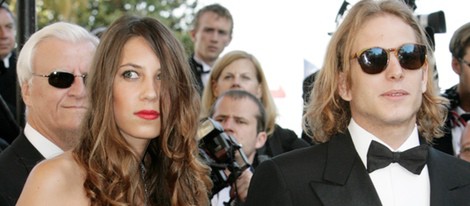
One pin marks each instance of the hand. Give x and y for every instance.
(242, 184)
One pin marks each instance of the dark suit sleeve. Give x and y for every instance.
(268, 187)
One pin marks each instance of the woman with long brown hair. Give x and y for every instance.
(138, 142)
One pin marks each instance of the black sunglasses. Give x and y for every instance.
(375, 60)
(61, 80)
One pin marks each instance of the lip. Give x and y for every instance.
(147, 114)
(75, 107)
(212, 48)
(395, 94)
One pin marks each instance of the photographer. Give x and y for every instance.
(242, 116)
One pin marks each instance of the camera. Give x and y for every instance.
(221, 152)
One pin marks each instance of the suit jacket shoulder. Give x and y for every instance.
(317, 175)
(449, 178)
(16, 162)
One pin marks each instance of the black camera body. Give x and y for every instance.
(221, 152)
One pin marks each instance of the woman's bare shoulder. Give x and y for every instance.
(54, 182)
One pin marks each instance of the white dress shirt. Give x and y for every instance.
(395, 185)
(47, 149)
(222, 196)
(457, 132)
(6, 61)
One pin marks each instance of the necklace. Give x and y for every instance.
(142, 174)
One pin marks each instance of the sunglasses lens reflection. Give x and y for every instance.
(373, 60)
(412, 56)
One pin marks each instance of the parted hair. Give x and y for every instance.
(327, 113)
(174, 174)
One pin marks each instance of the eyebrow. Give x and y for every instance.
(131, 65)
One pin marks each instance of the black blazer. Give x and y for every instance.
(196, 70)
(8, 83)
(16, 162)
(280, 141)
(333, 174)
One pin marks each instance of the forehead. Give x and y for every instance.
(212, 18)
(70, 55)
(240, 107)
(384, 30)
(240, 66)
(5, 17)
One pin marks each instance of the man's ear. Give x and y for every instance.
(261, 139)
(192, 34)
(456, 66)
(343, 88)
(25, 93)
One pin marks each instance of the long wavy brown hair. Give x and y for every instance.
(327, 113)
(174, 173)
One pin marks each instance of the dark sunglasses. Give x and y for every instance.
(375, 60)
(61, 80)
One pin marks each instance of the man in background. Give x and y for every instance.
(242, 116)
(52, 67)
(458, 95)
(211, 33)
(8, 86)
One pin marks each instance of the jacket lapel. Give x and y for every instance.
(345, 179)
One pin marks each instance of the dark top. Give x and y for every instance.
(280, 141)
(8, 89)
(444, 143)
(16, 162)
(196, 70)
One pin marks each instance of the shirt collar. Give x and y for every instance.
(205, 67)
(362, 139)
(6, 61)
(47, 149)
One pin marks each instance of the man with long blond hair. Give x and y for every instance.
(374, 109)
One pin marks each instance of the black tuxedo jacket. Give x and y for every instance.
(8, 83)
(196, 70)
(16, 162)
(333, 174)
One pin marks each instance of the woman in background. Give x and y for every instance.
(241, 70)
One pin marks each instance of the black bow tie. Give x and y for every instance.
(379, 156)
(465, 116)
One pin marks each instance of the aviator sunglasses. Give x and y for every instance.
(61, 80)
(375, 60)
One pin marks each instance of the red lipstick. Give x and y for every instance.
(148, 114)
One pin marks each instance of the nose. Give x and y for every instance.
(227, 124)
(78, 87)
(214, 36)
(149, 89)
(236, 82)
(394, 69)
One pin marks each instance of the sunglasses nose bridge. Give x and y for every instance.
(81, 78)
(395, 52)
